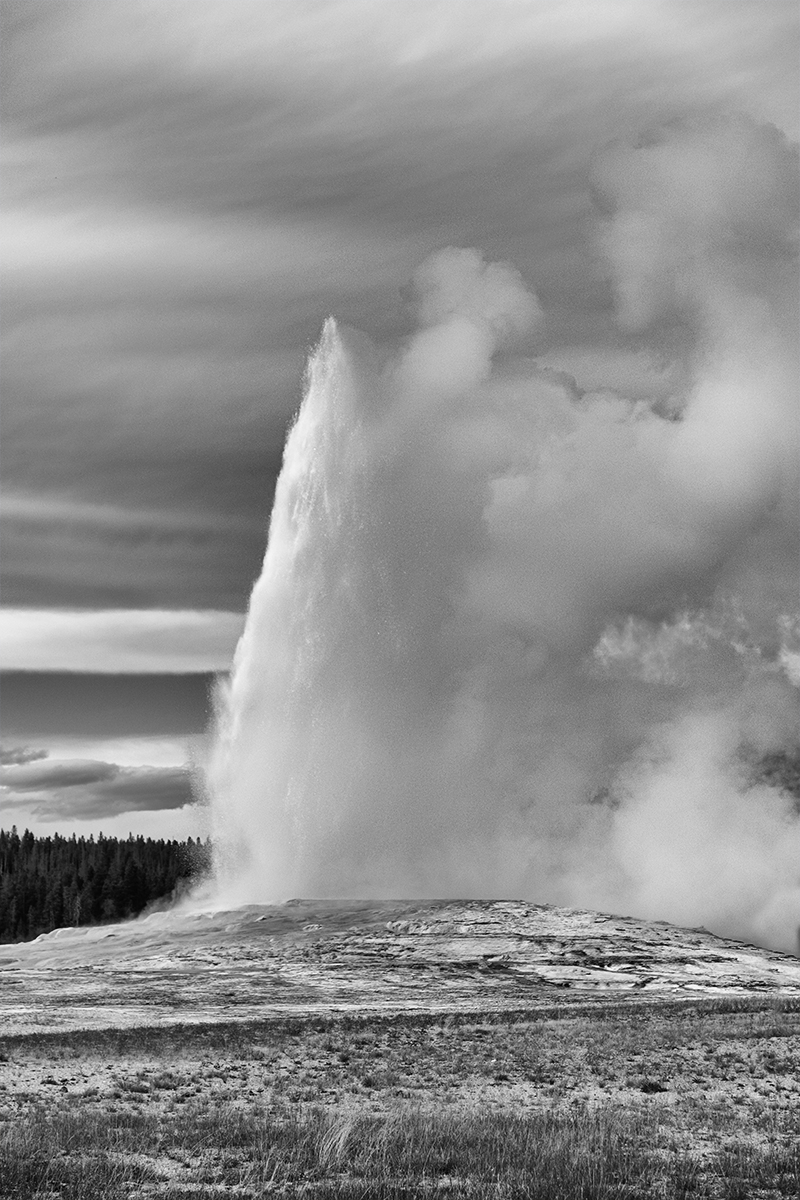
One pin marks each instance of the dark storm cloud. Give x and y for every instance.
(193, 187)
(40, 705)
(76, 790)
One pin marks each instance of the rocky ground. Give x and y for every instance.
(322, 957)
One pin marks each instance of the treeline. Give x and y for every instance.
(49, 882)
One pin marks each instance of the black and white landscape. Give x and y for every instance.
(401, 488)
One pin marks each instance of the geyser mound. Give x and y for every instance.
(329, 959)
(514, 639)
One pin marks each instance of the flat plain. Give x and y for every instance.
(398, 1049)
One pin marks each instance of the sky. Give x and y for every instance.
(190, 189)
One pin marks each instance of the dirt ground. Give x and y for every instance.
(169, 1052)
(712, 1070)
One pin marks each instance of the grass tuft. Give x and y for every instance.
(585, 1155)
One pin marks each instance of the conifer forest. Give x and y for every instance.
(50, 882)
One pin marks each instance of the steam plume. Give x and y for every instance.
(514, 640)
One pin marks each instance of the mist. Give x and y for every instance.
(515, 639)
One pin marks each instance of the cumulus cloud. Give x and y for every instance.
(692, 836)
(467, 310)
(505, 626)
(118, 641)
(706, 193)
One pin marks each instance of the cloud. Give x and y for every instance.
(52, 774)
(192, 188)
(17, 755)
(71, 789)
(68, 552)
(118, 641)
(35, 509)
(637, 374)
(691, 196)
(46, 709)
(467, 310)
(191, 192)
(705, 222)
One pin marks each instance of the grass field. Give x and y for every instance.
(609, 1101)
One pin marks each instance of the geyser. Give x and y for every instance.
(511, 639)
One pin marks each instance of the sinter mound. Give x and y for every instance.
(329, 957)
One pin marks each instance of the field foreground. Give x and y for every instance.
(398, 1049)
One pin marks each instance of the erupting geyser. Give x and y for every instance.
(512, 639)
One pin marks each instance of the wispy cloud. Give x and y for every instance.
(118, 641)
(75, 555)
(44, 509)
(192, 188)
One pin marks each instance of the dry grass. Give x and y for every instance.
(679, 1101)
(585, 1155)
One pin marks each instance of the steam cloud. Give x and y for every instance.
(511, 639)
